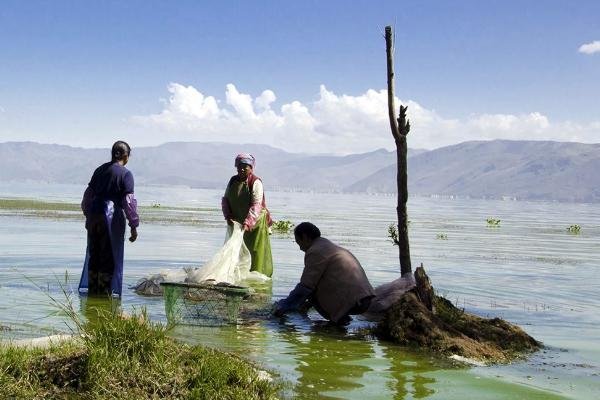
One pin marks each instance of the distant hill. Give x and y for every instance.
(194, 164)
(210, 165)
(529, 170)
(27, 161)
(526, 170)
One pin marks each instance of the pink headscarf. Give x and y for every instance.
(245, 158)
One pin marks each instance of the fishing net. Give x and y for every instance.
(150, 285)
(203, 304)
(231, 264)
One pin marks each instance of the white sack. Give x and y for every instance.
(232, 262)
(389, 293)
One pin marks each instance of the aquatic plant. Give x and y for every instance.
(493, 222)
(393, 233)
(574, 229)
(441, 236)
(283, 227)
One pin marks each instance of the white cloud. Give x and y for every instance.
(495, 125)
(185, 107)
(337, 123)
(590, 48)
(263, 102)
(241, 103)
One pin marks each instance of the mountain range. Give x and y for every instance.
(524, 170)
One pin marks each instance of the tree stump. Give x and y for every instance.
(423, 288)
(420, 318)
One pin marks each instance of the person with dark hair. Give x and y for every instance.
(244, 202)
(306, 229)
(333, 281)
(107, 202)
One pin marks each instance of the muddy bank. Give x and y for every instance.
(423, 319)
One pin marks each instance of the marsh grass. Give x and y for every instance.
(30, 204)
(153, 214)
(120, 356)
(27, 204)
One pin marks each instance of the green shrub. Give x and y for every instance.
(283, 227)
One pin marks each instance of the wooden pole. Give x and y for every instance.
(400, 128)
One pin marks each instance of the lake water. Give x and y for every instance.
(529, 270)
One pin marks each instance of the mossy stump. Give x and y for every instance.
(421, 318)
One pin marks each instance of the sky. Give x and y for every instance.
(304, 76)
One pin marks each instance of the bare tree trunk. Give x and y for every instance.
(400, 128)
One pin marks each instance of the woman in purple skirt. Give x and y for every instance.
(107, 201)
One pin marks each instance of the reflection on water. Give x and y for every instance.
(326, 361)
(409, 376)
(94, 308)
(322, 360)
(528, 270)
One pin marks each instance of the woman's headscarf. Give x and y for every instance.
(245, 158)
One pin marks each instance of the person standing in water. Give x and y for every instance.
(108, 200)
(244, 202)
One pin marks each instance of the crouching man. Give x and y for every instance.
(333, 281)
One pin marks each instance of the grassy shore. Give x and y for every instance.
(128, 358)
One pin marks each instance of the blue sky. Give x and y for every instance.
(303, 76)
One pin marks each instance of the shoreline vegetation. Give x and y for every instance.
(128, 357)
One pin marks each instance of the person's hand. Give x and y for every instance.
(276, 310)
(133, 236)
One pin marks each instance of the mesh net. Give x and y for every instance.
(202, 304)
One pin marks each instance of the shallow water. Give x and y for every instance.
(529, 270)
